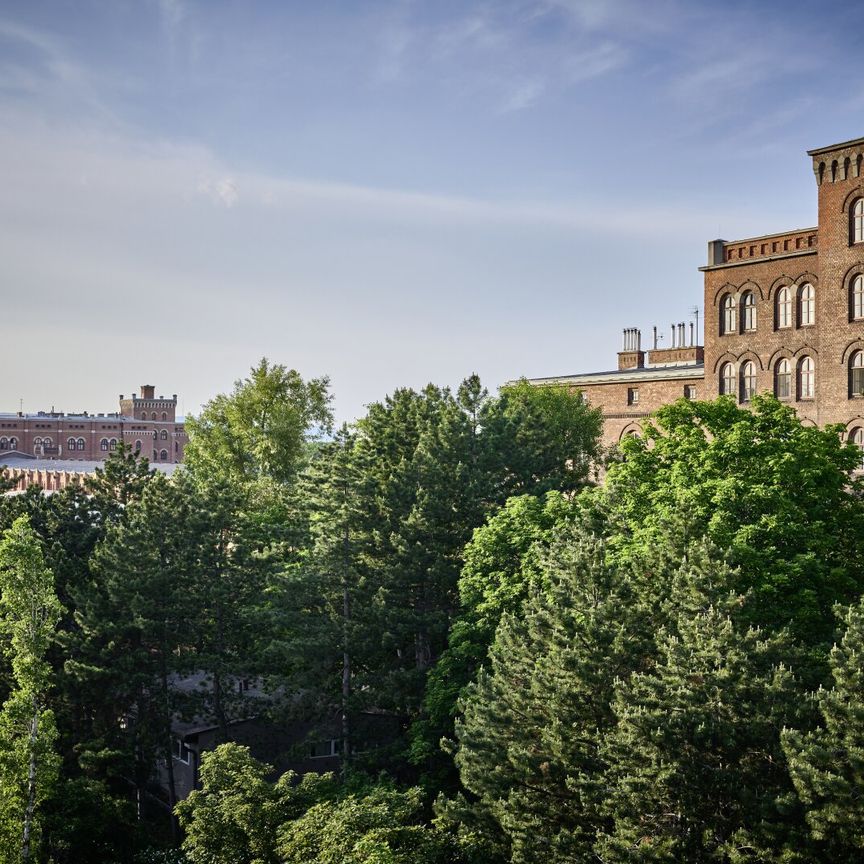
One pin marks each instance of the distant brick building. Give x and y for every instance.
(784, 313)
(145, 423)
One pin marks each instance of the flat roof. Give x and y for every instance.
(646, 373)
(81, 466)
(840, 146)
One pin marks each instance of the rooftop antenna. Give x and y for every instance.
(695, 312)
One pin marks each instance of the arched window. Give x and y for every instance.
(856, 374)
(112, 444)
(81, 444)
(807, 306)
(748, 311)
(103, 444)
(4, 443)
(164, 416)
(154, 416)
(137, 446)
(858, 221)
(163, 455)
(176, 447)
(857, 299)
(748, 381)
(806, 378)
(784, 308)
(783, 379)
(72, 444)
(13, 443)
(143, 415)
(163, 435)
(727, 380)
(727, 315)
(856, 436)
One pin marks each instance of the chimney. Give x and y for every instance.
(716, 252)
(631, 355)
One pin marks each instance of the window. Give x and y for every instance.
(137, 446)
(806, 378)
(856, 374)
(181, 751)
(784, 308)
(727, 315)
(71, 444)
(325, 749)
(856, 436)
(103, 444)
(164, 416)
(748, 311)
(80, 443)
(858, 221)
(143, 415)
(13, 443)
(4, 443)
(154, 416)
(807, 306)
(857, 303)
(163, 455)
(163, 435)
(748, 381)
(727, 380)
(632, 395)
(689, 391)
(112, 444)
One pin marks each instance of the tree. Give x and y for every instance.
(695, 768)
(827, 763)
(29, 613)
(528, 746)
(258, 432)
(781, 497)
(235, 815)
(503, 566)
(133, 635)
(380, 826)
(546, 438)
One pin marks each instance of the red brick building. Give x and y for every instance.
(145, 423)
(784, 313)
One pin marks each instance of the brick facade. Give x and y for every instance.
(747, 319)
(146, 423)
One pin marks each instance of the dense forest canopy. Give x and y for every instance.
(651, 654)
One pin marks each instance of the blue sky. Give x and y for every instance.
(388, 193)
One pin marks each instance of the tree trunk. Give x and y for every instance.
(31, 785)
(346, 655)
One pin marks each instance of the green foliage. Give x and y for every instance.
(234, 817)
(259, 431)
(548, 437)
(502, 566)
(696, 772)
(383, 826)
(827, 764)
(777, 495)
(29, 614)
(532, 727)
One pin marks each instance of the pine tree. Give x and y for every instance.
(29, 614)
(529, 741)
(696, 771)
(827, 764)
(134, 635)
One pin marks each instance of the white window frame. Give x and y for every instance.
(783, 370)
(806, 378)
(784, 308)
(748, 312)
(807, 305)
(748, 381)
